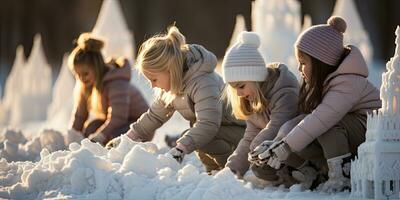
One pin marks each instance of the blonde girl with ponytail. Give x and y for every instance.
(184, 78)
(102, 90)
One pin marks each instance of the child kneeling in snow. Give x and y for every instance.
(184, 77)
(266, 96)
(104, 90)
(335, 97)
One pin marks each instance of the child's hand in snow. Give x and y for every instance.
(253, 155)
(98, 137)
(275, 155)
(178, 152)
(113, 143)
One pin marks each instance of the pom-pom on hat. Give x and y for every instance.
(243, 62)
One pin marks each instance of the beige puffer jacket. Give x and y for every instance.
(199, 103)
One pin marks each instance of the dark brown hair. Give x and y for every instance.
(311, 93)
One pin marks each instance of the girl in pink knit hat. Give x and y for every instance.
(335, 97)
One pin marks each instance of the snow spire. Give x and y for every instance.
(390, 89)
(239, 27)
(62, 102)
(37, 73)
(111, 26)
(14, 78)
(12, 85)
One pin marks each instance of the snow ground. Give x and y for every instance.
(130, 171)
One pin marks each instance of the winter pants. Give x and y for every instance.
(215, 154)
(342, 138)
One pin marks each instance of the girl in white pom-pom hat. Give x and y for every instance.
(335, 97)
(266, 96)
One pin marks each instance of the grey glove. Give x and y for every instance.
(177, 154)
(275, 155)
(253, 155)
(113, 143)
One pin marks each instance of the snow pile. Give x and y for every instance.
(16, 147)
(278, 23)
(130, 171)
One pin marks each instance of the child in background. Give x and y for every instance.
(266, 96)
(185, 81)
(335, 96)
(104, 90)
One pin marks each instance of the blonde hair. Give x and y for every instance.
(241, 107)
(164, 52)
(88, 53)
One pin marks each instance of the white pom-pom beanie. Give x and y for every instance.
(243, 62)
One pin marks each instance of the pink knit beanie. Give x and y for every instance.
(324, 42)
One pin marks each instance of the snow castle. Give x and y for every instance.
(376, 171)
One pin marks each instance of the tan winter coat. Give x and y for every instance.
(122, 102)
(283, 100)
(346, 90)
(199, 103)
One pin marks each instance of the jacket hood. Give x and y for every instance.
(354, 63)
(119, 69)
(199, 61)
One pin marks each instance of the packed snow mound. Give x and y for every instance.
(16, 147)
(130, 171)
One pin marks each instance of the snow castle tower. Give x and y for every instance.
(376, 172)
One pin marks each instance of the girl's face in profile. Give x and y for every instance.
(159, 80)
(245, 89)
(85, 74)
(304, 65)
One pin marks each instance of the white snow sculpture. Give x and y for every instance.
(376, 171)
